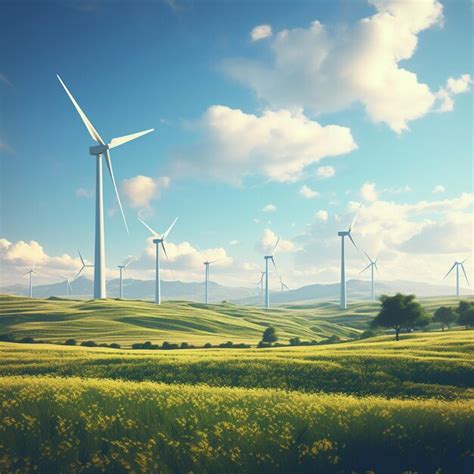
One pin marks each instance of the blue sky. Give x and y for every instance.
(389, 111)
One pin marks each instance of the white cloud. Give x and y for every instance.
(307, 192)
(268, 241)
(140, 190)
(84, 193)
(453, 87)
(260, 32)
(278, 145)
(325, 172)
(368, 192)
(234, 242)
(398, 189)
(269, 208)
(439, 189)
(321, 215)
(329, 69)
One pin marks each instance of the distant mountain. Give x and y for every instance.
(178, 290)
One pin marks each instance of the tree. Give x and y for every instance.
(269, 335)
(400, 312)
(446, 316)
(465, 311)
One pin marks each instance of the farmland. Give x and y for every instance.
(362, 405)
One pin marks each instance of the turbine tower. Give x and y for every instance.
(84, 265)
(343, 234)
(159, 240)
(371, 265)
(100, 150)
(67, 280)
(30, 272)
(122, 269)
(458, 265)
(206, 264)
(267, 258)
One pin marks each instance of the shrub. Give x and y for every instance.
(466, 313)
(114, 345)
(27, 340)
(184, 345)
(208, 345)
(227, 344)
(70, 342)
(269, 335)
(446, 316)
(88, 344)
(295, 341)
(6, 338)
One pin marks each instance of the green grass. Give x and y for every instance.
(130, 321)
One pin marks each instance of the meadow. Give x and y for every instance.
(372, 405)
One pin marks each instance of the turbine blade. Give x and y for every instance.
(368, 266)
(464, 259)
(355, 217)
(367, 255)
(376, 267)
(111, 172)
(274, 264)
(450, 270)
(168, 260)
(276, 245)
(79, 272)
(353, 243)
(80, 256)
(90, 128)
(129, 262)
(149, 228)
(169, 229)
(69, 285)
(127, 138)
(465, 276)
(284, 286)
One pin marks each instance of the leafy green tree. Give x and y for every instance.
(269, 335)
(465, 311)
(400, 312)
(446, 316)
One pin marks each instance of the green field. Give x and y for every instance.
(129, 321)
(373, 405)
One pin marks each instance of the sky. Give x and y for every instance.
(275, 118)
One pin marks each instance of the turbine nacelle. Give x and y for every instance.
(344, 233)
(98, 150)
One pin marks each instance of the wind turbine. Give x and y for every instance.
(371, 265)
(159, 240)
(267, 258)
(343, 234)
(99, 151)
(122, 269)
(283, 285)
(458, 265)
(84, 265)
(207, 264)
(67, 280)
(30, 272)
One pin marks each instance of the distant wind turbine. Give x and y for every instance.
(343, 234)
(122, 269)
(159, 240)
(30, 272)
(207, 264)
(458, 265)
(99, 151)
(84, 265)
(267, 258)
(371, 265)
(283, 285)
(67, 281)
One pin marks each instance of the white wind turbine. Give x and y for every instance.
(458, 265)
(99, 151)
(283, 286)
(207, 264)
(343, 234)
(122, 269)
(31, 272)
(372, 264)
(267, 258)
(84, 265)
(159, 240)
(67, 281)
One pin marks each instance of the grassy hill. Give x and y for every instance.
(130, 321)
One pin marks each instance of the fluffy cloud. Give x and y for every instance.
(368, 192)
(234, 242)
(269, 208)
(322, 215)
(84, 193)
(16, 258)
(327, 70)
(141, 190)
(268, 241)
(278, 145)
(307, 192)
(325, 172)
(453, 87)
(439, 189)
(260, 32)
